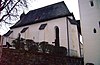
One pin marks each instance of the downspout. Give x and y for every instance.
(79, 43)
(44, 34)
(68, 36)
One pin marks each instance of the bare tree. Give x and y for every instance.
(9, 9)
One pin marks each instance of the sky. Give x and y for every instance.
(35, 4)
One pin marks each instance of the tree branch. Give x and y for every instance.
(3, 5)
(7, 4)
(9, 10)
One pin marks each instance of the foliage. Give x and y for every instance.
(43, 46)
(31, 45)
(18, 43)
(51, 49)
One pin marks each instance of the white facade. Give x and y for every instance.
(48, 34)
(90, 24)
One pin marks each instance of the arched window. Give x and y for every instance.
(94, 30)
(57, 36)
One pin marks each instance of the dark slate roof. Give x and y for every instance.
(72, 21)
(8, 33)
(43, 14)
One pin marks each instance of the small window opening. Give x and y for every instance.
(94, 30)
(99, 24)
(24, 29)
(91, 3)
(42, 26)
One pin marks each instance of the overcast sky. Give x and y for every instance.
(35, 4)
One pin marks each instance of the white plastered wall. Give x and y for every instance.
(73, 40)
(90, 18)
(48, 34)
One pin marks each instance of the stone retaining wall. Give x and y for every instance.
(16, 57)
